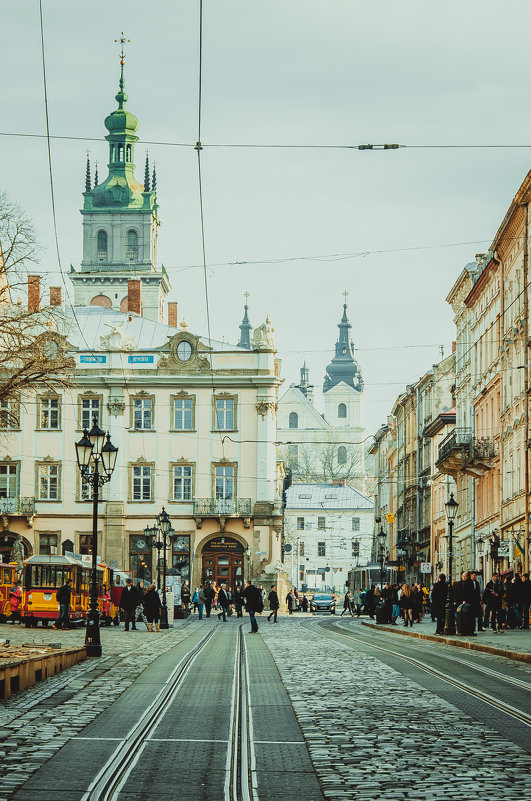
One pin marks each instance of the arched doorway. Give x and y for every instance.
(224, 562)
(7, 538)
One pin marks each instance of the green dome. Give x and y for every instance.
(120, 120)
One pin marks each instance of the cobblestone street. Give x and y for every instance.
(371, 730)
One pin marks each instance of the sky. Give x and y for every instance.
(297, 226)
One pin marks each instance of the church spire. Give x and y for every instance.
(245, 327)
(154, 179)
(344, 367)
(88, 186)
(146, 174)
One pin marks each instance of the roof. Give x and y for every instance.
(326, 496)
(53, 559)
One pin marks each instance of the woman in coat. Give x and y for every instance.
(273, 604)
(152, 607)
(406, 604)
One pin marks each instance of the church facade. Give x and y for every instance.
(194, 419)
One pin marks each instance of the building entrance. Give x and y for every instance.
(224, 562)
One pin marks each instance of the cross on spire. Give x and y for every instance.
(246, 296)
(122, 41)
(345, 295)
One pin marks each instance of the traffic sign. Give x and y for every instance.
(287, 548)
(425, 567)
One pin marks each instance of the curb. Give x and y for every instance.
(473, 646)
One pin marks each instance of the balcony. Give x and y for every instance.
(24, 507)
(222, 507)
(460, 452)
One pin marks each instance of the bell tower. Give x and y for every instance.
(120, 224)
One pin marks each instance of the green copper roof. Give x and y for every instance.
(121, 121)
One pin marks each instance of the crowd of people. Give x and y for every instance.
(501, 604)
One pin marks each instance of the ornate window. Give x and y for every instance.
(9, 477)
(182, 482)
(142, 480)
(183, 413)
(48, 481)
(224, 413)
(300, 524)
(341, 455)
(321, 523)
(142, 409)
(355, 524)
(90, 407)
(102, 245)
(224, 481)
(47, 543)
(49, 414)
(342, 411)
(293, 420)
(9, 415)
(321, 549)
(85, 543)
(132, 245)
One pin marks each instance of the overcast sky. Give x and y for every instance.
(297, 72)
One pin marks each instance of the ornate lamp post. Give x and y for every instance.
(165, 528)
(248, 555)
(382, 537)
(91, 450)
(150, 534)
(449, 618)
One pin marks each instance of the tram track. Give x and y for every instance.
(114, 773)
(240, 784)
(486, 698)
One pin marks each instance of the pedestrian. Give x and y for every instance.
(140, 616)
(185, 596)
(253, 603)
(262, 593)
(129, 603)
(273, 603)
(201, 601)
(525, 594)
(223, 601)
(346, 604)
(493, 597)
(439, 594)
(63, 596)
(290, 600)
(514, 603)
(106, 602)
(210, 594)
(195, 598)
(406, 605)
(465, 595)
(370, 603)
(395, 608)
(417, 596)
(238, 600)
(15, 599)
(152, 608)
(477, 607)
(304, 604)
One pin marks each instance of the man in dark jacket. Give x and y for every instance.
(238, 600)
(128, 603)
(465, 593)
(493, 599)
(223, 601)
(477, 609)
(63, 599)
(209, 593)
(273, 603)
(253, 604)
(525, 594)
(439, 594)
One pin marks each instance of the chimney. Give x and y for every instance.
(172, 315)
(454, 346)
(56, 296)
(34, 293)
(134, 296)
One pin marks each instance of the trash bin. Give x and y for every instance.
(464, 619)
(382, 613)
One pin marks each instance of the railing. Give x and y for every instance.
(482, 448)
(17, 506)
(222, 506)
(455, 440)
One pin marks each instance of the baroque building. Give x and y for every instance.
(194, 419)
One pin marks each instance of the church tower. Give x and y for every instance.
(120, 226)
(343, 383)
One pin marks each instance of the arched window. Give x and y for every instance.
(132, 245)
(341, 455)
(120, 152)
(102, 245)
(128, 151)
(342, 410)
(293, 420)
(101, 300)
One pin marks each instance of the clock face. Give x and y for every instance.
(184, 350)
(140, 544)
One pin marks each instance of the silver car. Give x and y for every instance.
(323, 603)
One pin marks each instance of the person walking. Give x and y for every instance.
(304, 604)
(238, 601)
(370, 603)
(465, 595)
(63, 596)
(209, 593)
(201, 601)
(253, 603)
(152, 608)
(525, 594)
(347, 604)
(195, 598)
(406, 605)
(140, 616)
(15, 599)
(185, 596)
(493, 597)
(129, 603)
(477, 606)
(263, 594)
(273, 604)
(439, 595)
(106, 603)
(223, 602)
(290, 600)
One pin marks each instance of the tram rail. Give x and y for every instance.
(486, 698)
(240, 784)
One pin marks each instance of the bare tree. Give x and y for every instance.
(32, 349)
(326, 461)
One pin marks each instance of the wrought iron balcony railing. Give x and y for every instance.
(17, 506)
(222, 506)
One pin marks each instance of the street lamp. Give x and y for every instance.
(248, 555)
(449, 618)
(150, 534)
(165, 528)
(382, 538)
(90, 451)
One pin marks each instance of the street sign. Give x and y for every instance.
(503, 548)
(425, 567)
(327, 570)
(287, 548)
(390, 518)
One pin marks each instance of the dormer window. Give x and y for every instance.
(102, 246)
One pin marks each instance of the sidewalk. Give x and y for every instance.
(512, 644)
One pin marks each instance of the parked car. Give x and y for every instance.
(322, 602)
